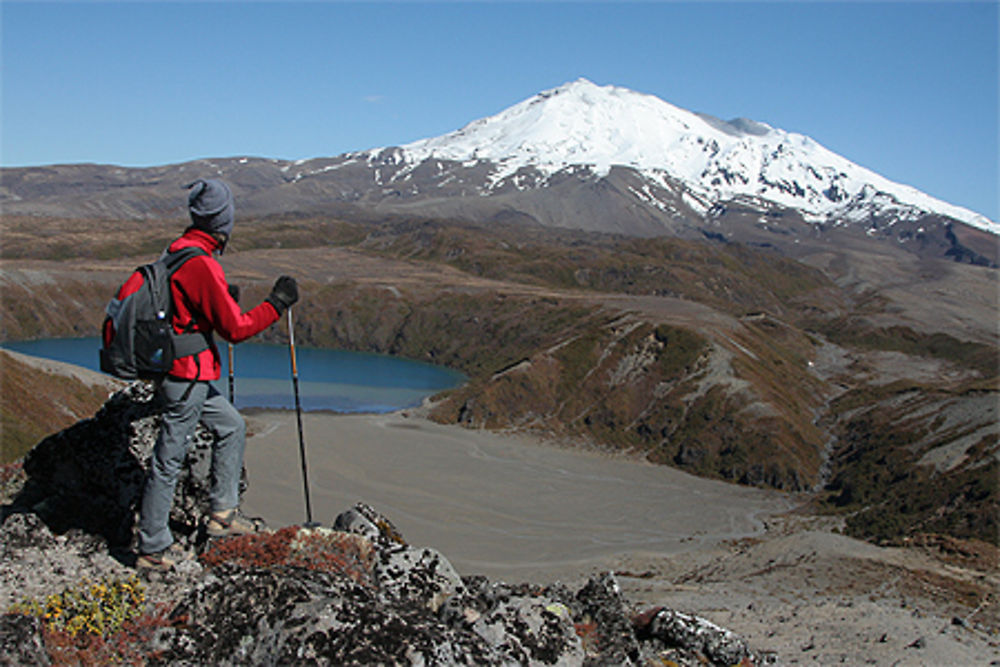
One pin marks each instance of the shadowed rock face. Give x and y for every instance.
(91, 475)
(355, 593)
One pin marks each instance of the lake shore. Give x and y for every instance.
(517, 508)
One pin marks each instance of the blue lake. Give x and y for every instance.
(335, 380)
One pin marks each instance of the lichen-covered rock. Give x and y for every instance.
(21, 641)
(519, 627)
(23, 531)
(527, 629)
(418, 575)
(90, 476)
(298, 616)
(600, 604)
(263, 604)
(365, 520)
(709, 642)
(403, 572)
(37, 563)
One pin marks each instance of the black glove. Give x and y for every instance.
(284, 294)
(234, 291)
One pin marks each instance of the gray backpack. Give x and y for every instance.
(138, 338)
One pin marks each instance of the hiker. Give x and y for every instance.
(204, 304)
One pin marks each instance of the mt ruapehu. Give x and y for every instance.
(580, 156)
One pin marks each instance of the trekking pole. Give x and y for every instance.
(230, 372)
(234, 291)
(298, 415)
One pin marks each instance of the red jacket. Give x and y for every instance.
(201, 294)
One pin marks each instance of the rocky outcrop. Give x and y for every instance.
(352, 593)
(90, 476)
(362, 601)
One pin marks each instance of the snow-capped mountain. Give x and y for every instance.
(581, 125)
(581, 156)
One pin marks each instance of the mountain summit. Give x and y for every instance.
(583, 125)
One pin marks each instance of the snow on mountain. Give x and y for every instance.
(583, 124)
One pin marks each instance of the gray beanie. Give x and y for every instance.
(211, 206)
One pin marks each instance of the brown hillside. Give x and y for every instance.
(717, 358)
(38, 398)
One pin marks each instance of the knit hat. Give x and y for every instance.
(211, 206)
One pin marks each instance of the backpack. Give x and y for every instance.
(138, 340)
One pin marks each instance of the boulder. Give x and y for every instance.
(522, 624)
(403, 572)
(673, 629)
(600, 603)
(90, 476)
(328, 596)
(300, 616)
(517, 626)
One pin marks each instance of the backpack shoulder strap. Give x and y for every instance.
(175, 260)
(185, 344)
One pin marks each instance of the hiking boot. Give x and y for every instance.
(163, 560)
(226, 524)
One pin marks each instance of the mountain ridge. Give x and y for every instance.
(599, 158)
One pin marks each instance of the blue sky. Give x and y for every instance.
(908, 89)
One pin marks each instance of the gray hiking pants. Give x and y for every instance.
(184, 406)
